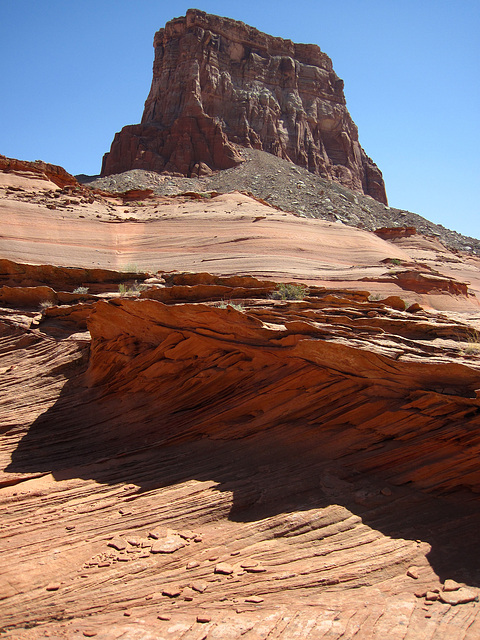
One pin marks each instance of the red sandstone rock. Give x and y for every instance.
(39, 169)
(217, 82)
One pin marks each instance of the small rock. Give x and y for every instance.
(386, 491)
(198, 539)
(89, 633)
(224, 568)
(117, 543)
(412, 572)
(104, 564)
(199, 586)
(257, 569)
(70, 527)
(431, 596)
(188, 594)
(133, 541)
(186, 534)
(171, 592)
(193, 564)
(235, 553)
(53, 586)
(167, 545)
(127, 613)
(213, 558)
(254, 599)
(164, 616)
(451, 585)
(203, 618)
(459, 596)
(421, 593)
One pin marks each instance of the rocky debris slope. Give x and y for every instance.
(188, 470)
(291, 188)
(218, 82)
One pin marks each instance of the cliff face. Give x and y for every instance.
(217, 81)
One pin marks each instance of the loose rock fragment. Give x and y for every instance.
(451, 585)
(117, 543)
(188, 594)
(167, 545)
(203, 618)
(412, 572)
(164, 616)
(53, 586)
(254, 599)
(224, 568)
(172, 591)
(193, 564)
(199, 586)
(460, 596)
(431, 596)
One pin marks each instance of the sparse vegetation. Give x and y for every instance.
(131, 268)
(132, 290)
(81, 290)
(290, 292)
(396, 261)
(235, 305)
(46, 304)
(473, 340)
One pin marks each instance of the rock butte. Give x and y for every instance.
(218, 82)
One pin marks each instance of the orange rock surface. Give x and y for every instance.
(176, 467)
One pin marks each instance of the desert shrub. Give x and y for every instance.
(235, 305)
(290, 292)
(132, 290)
(46, 304)
(131, 268)
(473, 340)
(81, 290)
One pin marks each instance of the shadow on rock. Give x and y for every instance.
(284, 469)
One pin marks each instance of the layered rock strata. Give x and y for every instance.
(217, 82)
(302, 468)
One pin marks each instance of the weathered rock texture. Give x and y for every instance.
(300, 469)
(217, 82)
(38, 169)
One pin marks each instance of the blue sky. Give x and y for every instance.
(75, 72)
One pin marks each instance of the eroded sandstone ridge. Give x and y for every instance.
(218, 82)
(188, 470)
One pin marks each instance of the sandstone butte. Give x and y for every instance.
(218, 83)
(176, 467)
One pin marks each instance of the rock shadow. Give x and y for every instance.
(283, 469)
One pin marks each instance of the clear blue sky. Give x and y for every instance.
(75, 72)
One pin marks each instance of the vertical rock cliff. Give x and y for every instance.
(218, 82)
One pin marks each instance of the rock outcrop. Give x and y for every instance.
(38, 169)
(295, 469)
(218, 82)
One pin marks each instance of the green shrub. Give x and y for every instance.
(235, 305)
(290, 292)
